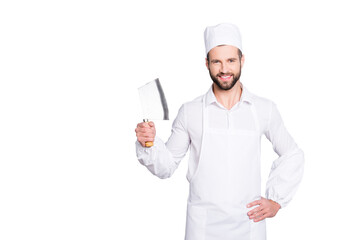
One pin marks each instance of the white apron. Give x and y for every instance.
(224, 183)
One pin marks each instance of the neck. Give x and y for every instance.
(228, 98)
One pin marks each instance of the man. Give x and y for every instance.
(223, 129)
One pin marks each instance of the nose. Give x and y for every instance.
(224, 68)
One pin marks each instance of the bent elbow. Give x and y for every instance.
(163, 173)
(164, 176)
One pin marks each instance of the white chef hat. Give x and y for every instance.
(222, 34)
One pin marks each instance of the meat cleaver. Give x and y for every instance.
(153, 103)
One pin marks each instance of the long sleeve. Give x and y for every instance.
(287, 170)
(162, 159)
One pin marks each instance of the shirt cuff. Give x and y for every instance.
(146, 154)
(277, 200)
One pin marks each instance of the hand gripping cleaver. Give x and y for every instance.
(153, 103)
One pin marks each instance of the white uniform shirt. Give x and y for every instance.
(163, 158)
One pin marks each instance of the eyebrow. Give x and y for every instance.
(214, 60)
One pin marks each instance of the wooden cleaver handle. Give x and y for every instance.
(148, 144)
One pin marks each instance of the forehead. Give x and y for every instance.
(224, 51)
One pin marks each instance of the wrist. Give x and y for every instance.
(278, 206)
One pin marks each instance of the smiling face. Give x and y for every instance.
(224, 64)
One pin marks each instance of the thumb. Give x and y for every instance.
(151, 124)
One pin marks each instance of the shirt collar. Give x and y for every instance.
(246, 96)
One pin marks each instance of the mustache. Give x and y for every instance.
(224, 74)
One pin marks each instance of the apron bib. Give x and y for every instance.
(227, 178)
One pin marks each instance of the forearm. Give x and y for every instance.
(158, 159)
(285, 177)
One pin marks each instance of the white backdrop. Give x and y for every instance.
(69, 73)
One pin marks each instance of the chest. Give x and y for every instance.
(243, 118)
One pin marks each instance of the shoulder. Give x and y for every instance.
(261, 103)
(191, 113)
(263, 107)
(193, 105)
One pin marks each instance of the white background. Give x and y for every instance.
(69, 73)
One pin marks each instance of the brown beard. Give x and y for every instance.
(227, 86)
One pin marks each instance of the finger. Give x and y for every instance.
(140, 130)
(151, 124)
(149, 139)
(255, 210)
(145, 133)
(260, 218)
(257, 214)
(254, 203)
(144, 130)
(143, 141)
(146, 139)
(143, 125)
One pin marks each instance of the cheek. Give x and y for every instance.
(236, 68)
(214, 69)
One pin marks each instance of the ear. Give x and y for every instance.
(206, 63)
(242, 61)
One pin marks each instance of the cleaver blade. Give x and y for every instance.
(153, 101)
